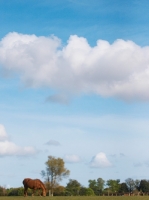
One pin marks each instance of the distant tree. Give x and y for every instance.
(92, 184)
(123, 188)
(55, 171)
(12, 192)
(97, 185)
(89, 192)
(59, 191)
(130, 184)
(73, 187)
(16, 191)
(144, 186)
(86, 191)
(1, 191)
(100, 185)
(137, 184)
(113, 185)
(20, 191)
(82, 191)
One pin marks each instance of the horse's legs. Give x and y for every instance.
(25, 191)
(43, 193)
(33, 192)
(39, 192)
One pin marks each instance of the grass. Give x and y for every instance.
(76, 198)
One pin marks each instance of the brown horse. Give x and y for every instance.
(34, 184)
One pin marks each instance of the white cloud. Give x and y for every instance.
(3, 134)
(118, 70)
(8, 148)
(72, 158)
(100, 161)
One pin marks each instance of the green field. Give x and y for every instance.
(78, 198)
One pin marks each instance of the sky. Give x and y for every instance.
(74, 79)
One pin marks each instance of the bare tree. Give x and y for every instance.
(130, 184)
(55, 172)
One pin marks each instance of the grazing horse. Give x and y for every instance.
(34, 184)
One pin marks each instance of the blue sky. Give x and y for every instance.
(74, 79)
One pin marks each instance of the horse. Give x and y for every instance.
(34, 184)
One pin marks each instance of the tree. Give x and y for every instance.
(114, 185)
(93, 186)
(73, 187)
(17, 191)
(89, 192)
(123, 188)
(130, 184)
(55, 171)
(83, 191)
(144, 186)
(100, 185)
(97, 185)
(59, 191)
(2, 191)
(137, 184)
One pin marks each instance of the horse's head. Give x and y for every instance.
(44, 193)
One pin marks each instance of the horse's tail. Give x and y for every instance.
(24, 181)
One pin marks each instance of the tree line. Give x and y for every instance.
(55, 171)
(95, 187)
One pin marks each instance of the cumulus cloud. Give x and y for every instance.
(72, 158)
(3, 134)
(100, 161)
(119, 70)
(53, 143)
(8, 148)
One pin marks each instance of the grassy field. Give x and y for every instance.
(78, 198)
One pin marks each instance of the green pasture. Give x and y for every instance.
(77, 198)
